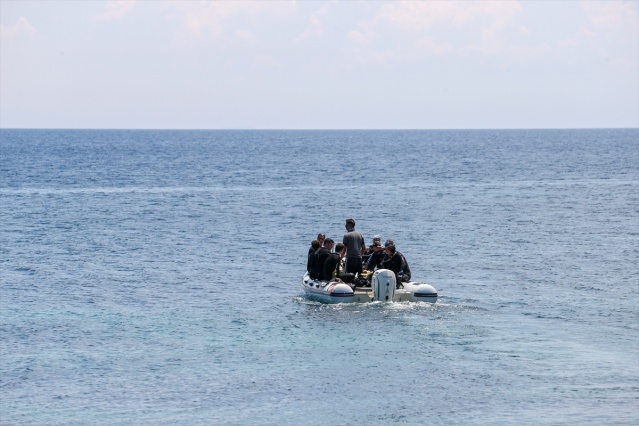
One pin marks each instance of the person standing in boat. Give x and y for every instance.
(322, 254)
(355, 247)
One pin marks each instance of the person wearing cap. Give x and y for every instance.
(355, 247)
(369, 250)
(386, 244)
(376, 257)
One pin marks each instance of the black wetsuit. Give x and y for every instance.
(321, 255)
(375, 260)
(397, 263)
(330, 265)
(310, 264)
(405, 268)
(394, 263)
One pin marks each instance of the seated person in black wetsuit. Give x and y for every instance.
(376, 257)
(396, 262)
(369, 250)
(310, 263)
(331, 265)
(405, 271)
(392, 260)
(320, 238)
(322, 254)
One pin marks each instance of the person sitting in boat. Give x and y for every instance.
(320, 238)
(322, 254)
(376, 239)
(386, 244)
(355, 247)
(376, 257)
(405, 271)
(396, 262)
(369, 251)
(310, 263)
(332, 262)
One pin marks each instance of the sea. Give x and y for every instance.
(153, 277)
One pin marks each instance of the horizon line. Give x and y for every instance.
(315, 129)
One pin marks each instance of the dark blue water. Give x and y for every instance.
(153, 277)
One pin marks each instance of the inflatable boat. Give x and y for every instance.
(381, 286)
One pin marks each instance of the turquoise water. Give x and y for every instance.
(153, 277)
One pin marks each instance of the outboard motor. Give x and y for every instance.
(383, 283)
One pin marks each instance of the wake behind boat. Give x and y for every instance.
(380, 285)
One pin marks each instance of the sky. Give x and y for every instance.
(319, 64)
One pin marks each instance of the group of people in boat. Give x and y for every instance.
(328, 261)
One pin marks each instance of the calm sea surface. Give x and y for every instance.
(153, 277)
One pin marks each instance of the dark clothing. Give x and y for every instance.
(394, 263)
(354, 265)
(397, 263)
(375, 260)
(354, 241)
(405, 268)
(310, 264)
(321, 255)
(330, 265)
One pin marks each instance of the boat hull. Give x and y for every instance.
(338, 292)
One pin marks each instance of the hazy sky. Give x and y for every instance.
(319, 64)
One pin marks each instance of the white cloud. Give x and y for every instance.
(610, 15)
(315, 22)
(412, 30)
(362, 36)
(430, 16)
(114, 10)
(419, 16)
(21, 27)
(491, 25)
(210, 20)
(508, 32)
(610, 30)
